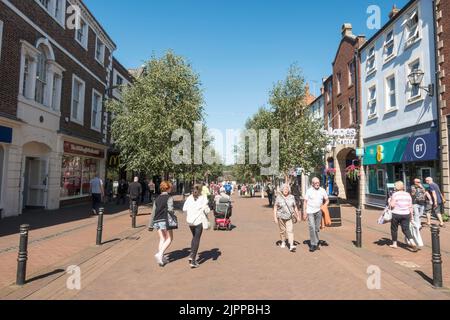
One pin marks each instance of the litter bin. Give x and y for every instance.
(335, 212)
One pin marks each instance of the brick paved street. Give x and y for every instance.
(242, 264)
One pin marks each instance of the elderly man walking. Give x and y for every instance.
(438, 202)
(315, 197)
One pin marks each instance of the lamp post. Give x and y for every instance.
(416, 78)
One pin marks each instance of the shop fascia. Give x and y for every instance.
(341, 137)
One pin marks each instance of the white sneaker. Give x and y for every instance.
(283, 245)
(159, 259)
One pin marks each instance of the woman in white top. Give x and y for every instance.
(196, 207)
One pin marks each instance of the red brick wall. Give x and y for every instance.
(444, 23)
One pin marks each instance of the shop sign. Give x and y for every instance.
(6, 134)
(79, 149)
(422, 148)
(342, 137)
(113, 160)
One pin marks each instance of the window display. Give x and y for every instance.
(77, 173)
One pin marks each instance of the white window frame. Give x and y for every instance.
(371, 58)
(387, 44)
(351, 76)
(99, 111)
(370, 102)
(384, 180)
(1, 38)
(85, 41)
(388, 93)
(339, 82)
(412, 99)
(56, 92)
(51, 11)
(80, 113)
(418, 35)
(102, 51)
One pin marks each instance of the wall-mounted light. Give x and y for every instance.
(416, 78)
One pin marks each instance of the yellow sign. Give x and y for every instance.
(114, 161)
(380, 153)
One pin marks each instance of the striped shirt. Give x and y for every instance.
(402, 203)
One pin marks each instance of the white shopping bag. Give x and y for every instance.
(415, 231)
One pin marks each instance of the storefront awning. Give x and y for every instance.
(418, 148)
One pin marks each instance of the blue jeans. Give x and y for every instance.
(419, 210)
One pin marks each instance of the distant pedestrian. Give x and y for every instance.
(228, 188)
(205, 191)
(270, 191)
(438, 202)
(161, 207)
(97, 192)
(420, 197)
(284, 213)
(315, 198)
(122, 190)
(402, 214)
(109, 190)
(197, 208)
(151, 190)
(134, 192)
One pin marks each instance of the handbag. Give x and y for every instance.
(172, 221)
(205, 222)
(293, 217)
(326, 216)
(387, 215)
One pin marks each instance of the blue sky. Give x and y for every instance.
(240, 48)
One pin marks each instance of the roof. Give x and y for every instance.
(388, 24)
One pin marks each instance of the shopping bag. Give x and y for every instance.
(326, 216)
(415, 232)
(381, 219)
(387, 215)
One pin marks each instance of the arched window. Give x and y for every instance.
(41, 75)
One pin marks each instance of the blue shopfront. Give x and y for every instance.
(401, 159)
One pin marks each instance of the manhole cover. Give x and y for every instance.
(407, 264)
(132, 238)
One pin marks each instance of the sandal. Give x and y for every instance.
(393, 247)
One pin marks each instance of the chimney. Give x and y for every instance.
(394, 12)
(347, 30)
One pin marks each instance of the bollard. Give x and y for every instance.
(358, 229)
(436, 259)
(23, 255)
(134, 209)
(100, 226)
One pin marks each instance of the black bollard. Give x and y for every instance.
(358, 229)
(436, 259)
(100, 226)
(23, 255)
(134, 209)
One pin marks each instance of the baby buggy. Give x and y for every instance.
(222, 215)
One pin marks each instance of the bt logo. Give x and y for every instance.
(420, 148)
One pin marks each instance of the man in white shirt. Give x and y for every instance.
(97, 192)
(314, 199)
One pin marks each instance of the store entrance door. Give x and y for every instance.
(35, 183)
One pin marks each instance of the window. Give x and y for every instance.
(45, 3)
(56, 92)
(381, 182)
(351, 102)
(414, 91)
(81, 34)
(329, 91)
(100, 51)
(338, 78)
(76, 175)
(1, 38)
(339, 124)
(351, 73)
(55, 8)
(119, 80)
(96, 111)
(371, 61)
(41, 77)
(26, 77)
(77, 100)
(372, 104)
(391, 93)
(412, 27)
(330, 121)
(389, 46)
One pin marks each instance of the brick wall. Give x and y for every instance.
(444, 53)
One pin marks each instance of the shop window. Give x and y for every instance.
(381, 181)
(77, 173)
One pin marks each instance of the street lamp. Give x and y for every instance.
(416, 78)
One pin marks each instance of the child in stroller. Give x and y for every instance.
(222, 213)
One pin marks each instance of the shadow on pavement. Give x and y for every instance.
(112, 240)
(42, 276)
(212, 254)
(179, 254)
(424, 276)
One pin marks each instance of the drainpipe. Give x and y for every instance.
(437, 94)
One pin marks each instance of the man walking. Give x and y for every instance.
(151, 190)
(438, 202)
(314, 199)
(98, 192)
(269, 190)
(134, 192)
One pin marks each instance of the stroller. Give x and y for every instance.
(222, 215)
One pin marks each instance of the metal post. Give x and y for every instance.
(358, 229)
(23, 255)
(436, 259)
(134, 209)
(100, 226)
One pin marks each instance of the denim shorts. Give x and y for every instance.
(162, 225)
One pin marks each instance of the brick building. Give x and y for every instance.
(341, 111)
(442, 13)
(53, 79)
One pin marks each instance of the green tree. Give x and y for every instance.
(168, 96)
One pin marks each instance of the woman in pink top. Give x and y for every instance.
(402, 214)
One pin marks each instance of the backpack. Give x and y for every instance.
(420, 196)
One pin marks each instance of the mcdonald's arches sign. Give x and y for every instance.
(113, 160)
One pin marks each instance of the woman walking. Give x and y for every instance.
(196, 207)
(402, 214)
(284, 213)
(161, 208)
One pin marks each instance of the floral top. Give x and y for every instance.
(285, 206)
